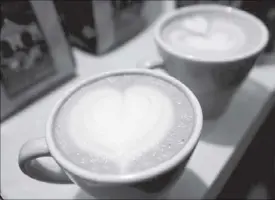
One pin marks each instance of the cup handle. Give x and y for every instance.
(28, 163)
(156, 64)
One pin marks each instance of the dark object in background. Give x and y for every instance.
(256, 167)
(35, 55)
(100, 26)
(77, 19)
(265, 10)
(22, 61)
(18, 12)
(234, 3)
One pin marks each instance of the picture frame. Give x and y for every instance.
(35, 54)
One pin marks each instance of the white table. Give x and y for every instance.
(222, 144)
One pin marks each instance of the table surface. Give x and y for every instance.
(222, 144)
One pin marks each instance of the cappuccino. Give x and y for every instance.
(124, 123)
(211, 35)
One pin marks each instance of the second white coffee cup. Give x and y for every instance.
(214, 81)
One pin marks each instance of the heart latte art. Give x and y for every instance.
(114, 123)
(124, 124)
(206, 35)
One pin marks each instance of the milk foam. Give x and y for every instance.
(205, 36)
(121, 125)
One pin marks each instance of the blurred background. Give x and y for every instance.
(96, 27)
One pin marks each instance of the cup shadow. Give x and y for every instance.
(82, 195)
(266, 60)
(189, 186)
(226, 129)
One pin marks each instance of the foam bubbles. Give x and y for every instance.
(182, 141)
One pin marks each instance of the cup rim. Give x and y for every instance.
(212, 7)
(139, 176)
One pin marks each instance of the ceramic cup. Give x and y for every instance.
(213, 81)
(152, 183)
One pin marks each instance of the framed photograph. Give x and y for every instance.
(35, 55)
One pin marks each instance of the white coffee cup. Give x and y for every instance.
(151, 183)
(213, 82)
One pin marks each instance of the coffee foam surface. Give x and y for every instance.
(205, 35)
(121, 124)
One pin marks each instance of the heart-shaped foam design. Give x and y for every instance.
(112, 123)
(215, 41)
(222, 36)
(196, 24)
